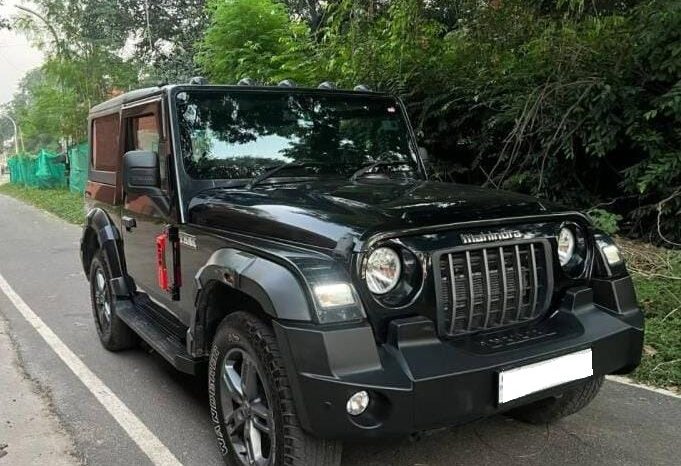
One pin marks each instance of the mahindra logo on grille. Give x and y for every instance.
(471, 238)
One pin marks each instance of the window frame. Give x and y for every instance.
(188, 187)
(152, 106)
(235, 182)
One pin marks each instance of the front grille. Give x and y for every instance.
(492, 287)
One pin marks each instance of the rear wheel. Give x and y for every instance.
(113, 333)
(552, 409)
(250, 401)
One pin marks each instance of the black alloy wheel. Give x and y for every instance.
(102, 300)
(248, 418)
(251, 400)
(113, 333)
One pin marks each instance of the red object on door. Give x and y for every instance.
(161, 267)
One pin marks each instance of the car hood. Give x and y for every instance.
(321, 213)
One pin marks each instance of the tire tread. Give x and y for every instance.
(299, 448)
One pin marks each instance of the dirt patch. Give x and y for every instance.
(30, 432)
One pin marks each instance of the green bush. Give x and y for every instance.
(606, 221)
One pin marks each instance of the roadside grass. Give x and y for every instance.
(59, 201)
(657, 277)
(656, 273)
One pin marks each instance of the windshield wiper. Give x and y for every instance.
(273, 171)
(367, 168)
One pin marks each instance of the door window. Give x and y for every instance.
(105, 143)
(145, 133)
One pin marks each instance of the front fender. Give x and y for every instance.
(276, 288)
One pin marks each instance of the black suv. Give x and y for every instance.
(289, 242)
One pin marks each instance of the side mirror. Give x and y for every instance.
(141, 173)
(423, 153)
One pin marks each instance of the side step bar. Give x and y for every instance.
(158, 337)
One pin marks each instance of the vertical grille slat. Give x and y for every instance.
(488, 295)
(471, 290)
(519, 283)
(492, 287)
(504, 284)
(453, 284)
(535, 285)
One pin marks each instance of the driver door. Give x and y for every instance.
(146, 218)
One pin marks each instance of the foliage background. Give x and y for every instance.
(574, 101)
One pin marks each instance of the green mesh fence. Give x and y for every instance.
(78, 165)
(48, 170)
(43, 170)
(22, 170)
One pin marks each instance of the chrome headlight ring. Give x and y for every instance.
(393, 275)
(383, 270)
(573, 249)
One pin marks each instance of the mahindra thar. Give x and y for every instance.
(287, 244)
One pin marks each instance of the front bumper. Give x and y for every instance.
(418, 382)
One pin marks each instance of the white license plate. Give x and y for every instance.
(520, 381)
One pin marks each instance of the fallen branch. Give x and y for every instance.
(659, 215)
(665, 363)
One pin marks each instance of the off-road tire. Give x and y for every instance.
(552, 409)
(293, 446)
(118, 336)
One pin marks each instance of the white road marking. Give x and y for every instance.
(628, 381)
(157, 452)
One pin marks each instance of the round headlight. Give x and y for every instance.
(566, 245)
(383, 270)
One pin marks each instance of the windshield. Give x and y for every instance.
(241, 134)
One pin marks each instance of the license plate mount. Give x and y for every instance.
(532, 378)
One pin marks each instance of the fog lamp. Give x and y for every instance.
(357, 403)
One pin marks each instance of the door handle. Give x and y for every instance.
(129, 223)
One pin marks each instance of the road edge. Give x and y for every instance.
(42, 392)
(632, 383)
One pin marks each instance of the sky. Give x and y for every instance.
(16, 55)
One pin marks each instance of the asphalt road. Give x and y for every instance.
(39, 259)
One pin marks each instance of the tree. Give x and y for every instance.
(256, 39)
(81, 69)
(164, 35)
(4, 23)
(310, 11)
(33, 108)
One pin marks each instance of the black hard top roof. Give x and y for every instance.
(115, 103)
(118, 101)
